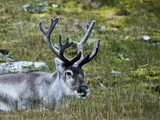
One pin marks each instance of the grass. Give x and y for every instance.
(133, 94)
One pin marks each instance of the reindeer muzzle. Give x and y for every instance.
(83, 91)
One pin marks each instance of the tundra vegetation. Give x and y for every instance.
(124, 78)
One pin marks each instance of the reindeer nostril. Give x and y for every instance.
(83, 90)
(86, 87)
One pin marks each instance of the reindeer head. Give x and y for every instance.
(71, 70)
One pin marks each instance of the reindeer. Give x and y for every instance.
(49, 90)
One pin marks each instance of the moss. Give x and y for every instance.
(2, 60)
(155, 39)
(73, 7)
(148, 73)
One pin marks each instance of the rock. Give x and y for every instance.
(102, 28)
(122, 57)
(26, 7)
(115, 72)
(54, 6)
(22, 67)
(146, 37)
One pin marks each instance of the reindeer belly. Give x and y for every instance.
(9, 91)
(10, 96)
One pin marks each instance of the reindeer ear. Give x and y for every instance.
(59, 65)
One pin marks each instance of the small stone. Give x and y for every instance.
(146, 37)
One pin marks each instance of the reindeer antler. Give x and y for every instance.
(62, 47)
(80, 45)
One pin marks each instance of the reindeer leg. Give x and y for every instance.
(5, 107)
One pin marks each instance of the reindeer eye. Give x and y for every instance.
(69, 73)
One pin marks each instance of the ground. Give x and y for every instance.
(124, 77)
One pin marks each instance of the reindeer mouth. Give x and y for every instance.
(83, 93)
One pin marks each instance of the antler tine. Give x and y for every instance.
(80, 45)
(89, 57)
(89, 29)
(62, 48)
(48, 32)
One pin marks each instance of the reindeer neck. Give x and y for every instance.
(58, 89)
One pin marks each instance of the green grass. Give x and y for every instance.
(133, 94)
